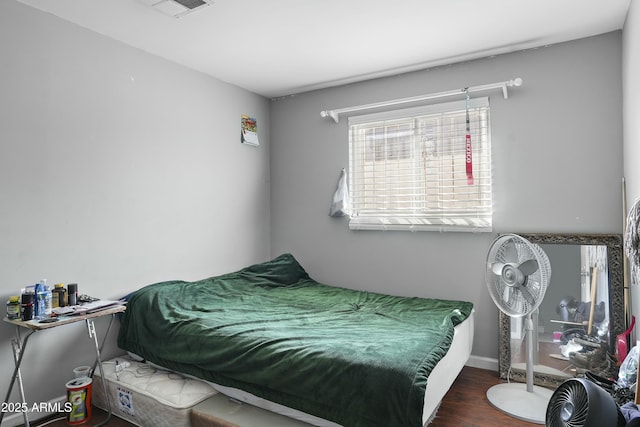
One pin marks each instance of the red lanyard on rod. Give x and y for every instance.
(468, 156)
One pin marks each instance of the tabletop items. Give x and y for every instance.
(39, 301)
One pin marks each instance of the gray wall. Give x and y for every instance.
(631, 111)
(631, 102)
(117, 169)
(557, 152)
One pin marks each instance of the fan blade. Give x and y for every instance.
(527, 295)
(510, 252)
(497, 267)
(506, 293)
(528, 267)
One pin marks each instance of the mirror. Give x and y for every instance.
(573, 277)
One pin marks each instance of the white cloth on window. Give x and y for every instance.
(341, 205)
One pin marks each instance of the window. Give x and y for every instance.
(408, 168)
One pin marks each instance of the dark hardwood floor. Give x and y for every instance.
(465, 405)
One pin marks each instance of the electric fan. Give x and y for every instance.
(580, 402)
(517, 275)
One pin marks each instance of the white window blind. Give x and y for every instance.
(408, 168)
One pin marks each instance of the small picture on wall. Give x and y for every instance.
(249, 134)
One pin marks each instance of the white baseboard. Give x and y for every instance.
(17, 419)
(483, 363)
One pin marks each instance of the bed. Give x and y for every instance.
(271, 333)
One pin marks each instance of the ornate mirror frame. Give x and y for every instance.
(617, 322)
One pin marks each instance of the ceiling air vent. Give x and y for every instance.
(177, 8)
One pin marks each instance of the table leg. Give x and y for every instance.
(92, 334)
(18, 352)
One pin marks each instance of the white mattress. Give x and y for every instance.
(440, 380)
(146, 395)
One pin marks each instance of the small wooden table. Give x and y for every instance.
(19, 344)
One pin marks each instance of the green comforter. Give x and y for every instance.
(355, 358)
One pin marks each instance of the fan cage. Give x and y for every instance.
(569, 406)
(515, 250)
(578, 402)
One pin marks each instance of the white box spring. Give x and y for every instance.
(147, 395)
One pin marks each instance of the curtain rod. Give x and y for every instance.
(334, 114)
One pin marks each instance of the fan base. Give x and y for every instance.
(513, 399)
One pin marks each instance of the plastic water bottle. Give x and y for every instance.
(48, 303)
(38, 306)
(43, 300)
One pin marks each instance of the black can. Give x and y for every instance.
(27, 306)
(72, 291)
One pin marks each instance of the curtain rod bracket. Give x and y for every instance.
(330, 113)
